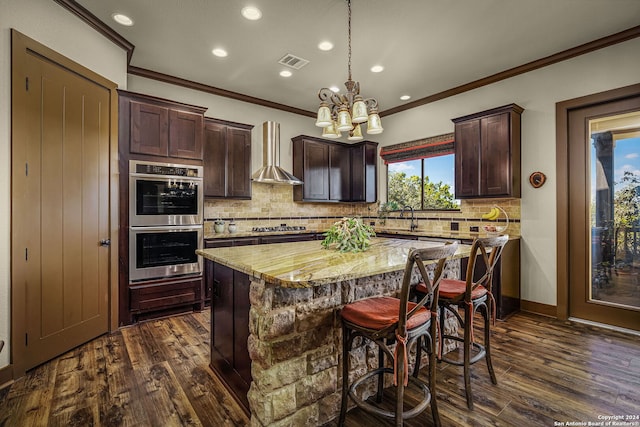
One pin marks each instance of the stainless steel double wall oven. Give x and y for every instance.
(165, 220)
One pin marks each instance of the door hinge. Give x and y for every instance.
(27, 84)
(26, 340)
(26, 169)
(26, 254)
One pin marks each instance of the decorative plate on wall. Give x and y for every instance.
(537, 179)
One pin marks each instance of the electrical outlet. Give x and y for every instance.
(455, 226)
(473, 229)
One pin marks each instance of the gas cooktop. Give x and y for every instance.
(280, 228)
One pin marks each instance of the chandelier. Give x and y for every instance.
(341, 113)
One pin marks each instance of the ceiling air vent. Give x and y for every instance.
(293, 61)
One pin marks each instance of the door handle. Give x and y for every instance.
(105, 242)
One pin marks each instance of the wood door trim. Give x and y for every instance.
(21, 46)
(562, 182)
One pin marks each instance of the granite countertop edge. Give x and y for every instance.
(306, 264)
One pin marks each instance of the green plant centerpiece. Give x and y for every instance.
(348, 235)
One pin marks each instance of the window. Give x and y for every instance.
(420, 174)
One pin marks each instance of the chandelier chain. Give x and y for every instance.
(349, 26)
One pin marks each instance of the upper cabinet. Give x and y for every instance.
(364, 172)
(227, 159)
(161, 128)
(487, 153)
(333, 171)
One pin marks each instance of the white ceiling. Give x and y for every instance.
(426, 46)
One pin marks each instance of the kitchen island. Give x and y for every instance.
(276, 335)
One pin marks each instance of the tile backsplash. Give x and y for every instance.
(272, 205)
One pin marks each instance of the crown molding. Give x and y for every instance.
(116, 38)
(620, 37)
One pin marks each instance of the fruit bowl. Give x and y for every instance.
(492, 215)
(493, 230)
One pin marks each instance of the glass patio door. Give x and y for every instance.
(614, 209)
(604, 213)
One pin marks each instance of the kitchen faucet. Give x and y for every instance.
(414, 222)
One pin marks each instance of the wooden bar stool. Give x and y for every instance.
(388, 320)
(471, 295)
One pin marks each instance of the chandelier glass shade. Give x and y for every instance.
(346, 112)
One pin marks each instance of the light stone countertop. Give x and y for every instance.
(307, 264)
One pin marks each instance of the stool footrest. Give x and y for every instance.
(479, 347)
(365, 405)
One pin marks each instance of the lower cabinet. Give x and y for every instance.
(221, 243)
(158, 298)
(230, 330)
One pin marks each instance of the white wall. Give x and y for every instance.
(51, 25)
(537, 92)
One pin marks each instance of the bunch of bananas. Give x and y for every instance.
(494, 213)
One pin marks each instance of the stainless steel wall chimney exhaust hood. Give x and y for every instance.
(271, 172)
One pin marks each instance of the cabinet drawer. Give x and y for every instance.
(154, 296)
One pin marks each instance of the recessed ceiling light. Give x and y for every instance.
(405, 97)
(377, 68)
(286, 73)
(335, 89)
(251, 13)
(219, 52)
(122, 19)
(325, 45)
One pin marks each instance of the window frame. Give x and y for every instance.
(422, 176)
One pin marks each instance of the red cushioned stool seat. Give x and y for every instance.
(451, 288)
(378, 313)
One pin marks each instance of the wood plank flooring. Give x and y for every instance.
(156, 374)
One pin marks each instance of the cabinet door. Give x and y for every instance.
(215, 160)
(185, 134)
(241, 307)
(371, 173)
(467, 158)
(495, 152)
(339, 173)
(364, 169)
(358, 179)
(222, 314)
(316, 170)
(238, 163)
(149, 129)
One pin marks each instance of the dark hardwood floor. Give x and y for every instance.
(156, 374)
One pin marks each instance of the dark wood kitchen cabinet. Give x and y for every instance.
(156, 130)
(227, 159)
(333, 171)
(364, 172)
(221, 243)
(160, 127)
(311, 163)
(487, 153)
(230, 330)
